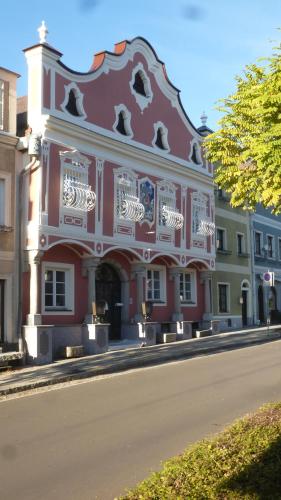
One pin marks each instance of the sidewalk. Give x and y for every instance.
(66, 370)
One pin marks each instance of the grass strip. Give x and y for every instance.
(244, 461)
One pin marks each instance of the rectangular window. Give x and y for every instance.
(279, 248)
(2, 202)
(223, 290)
(58, 287)
(1, 105)
(240, 243)
(187, 287)
(270, 249)
(155, 286)
(257, 243)
(221, 239)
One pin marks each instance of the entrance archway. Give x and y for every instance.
(108, 289)
(245, 287)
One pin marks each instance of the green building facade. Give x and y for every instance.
(232, 283)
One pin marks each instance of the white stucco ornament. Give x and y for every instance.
(43, 31)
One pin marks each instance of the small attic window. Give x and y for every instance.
(160, 139)
(73, 101)
(71, 105)
(139, 84)
(140, 87)
(122, 123)
(195, 153)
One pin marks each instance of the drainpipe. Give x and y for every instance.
(34, 151)
(252, 257)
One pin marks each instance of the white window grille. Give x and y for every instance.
(58, 288)
(155, 284)
(77, 195)
(128, 206)
(168, 214)
(201, 223)
(188, 287)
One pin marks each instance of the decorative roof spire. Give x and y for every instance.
(43, 31)
(204, 118)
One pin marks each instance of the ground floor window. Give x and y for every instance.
(187, 287)
(155, 285)
(58, 287)
(223, 296)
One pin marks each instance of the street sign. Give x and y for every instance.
(268, 278)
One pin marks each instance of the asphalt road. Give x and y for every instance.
(92, 440)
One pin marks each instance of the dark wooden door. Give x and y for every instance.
(108, 289)
(244, 307)
(260, 302)
(2, 309)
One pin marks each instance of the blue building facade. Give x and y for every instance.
(266, 256)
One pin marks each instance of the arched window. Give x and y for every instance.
(73, 101)
(139, 84)
(122, 123)
(140, 87)
(195, 153)
(160, 139)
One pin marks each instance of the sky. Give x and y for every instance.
(204, 44)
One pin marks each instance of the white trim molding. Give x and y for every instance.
(142, 100)
(160, 127)
(78, 100)
(68, 269)
(121, 108)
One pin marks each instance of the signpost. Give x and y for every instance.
(268, 278)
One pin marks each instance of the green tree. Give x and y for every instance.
(247, 147)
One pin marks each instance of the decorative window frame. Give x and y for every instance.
(69, 289)
(227, 297)
(127, 120)
(2, 103)
(144, 220)
(199, 201)
(79, 101)
(166, 196)
(125, 188)
(141, 100)
(164, 132)
(163, 285)
(73, 162)
(193, 282)
(195, 143)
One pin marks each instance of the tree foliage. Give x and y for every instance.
(247, 146)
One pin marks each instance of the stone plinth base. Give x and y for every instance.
(39, 343)
(147, 332)
(165, 338)
(183, 329)
(95, 338)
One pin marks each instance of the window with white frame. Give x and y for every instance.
(199, 211)
(223, 297)
(221, 239)
(140, 86)
(126, 201)
(160, 139)
(73, 101)
(1, 104)
(258, 242)
(166, 201)
(188, 287)
(195, 152)
(270, 246)
(77, 197)
(122, 123)
(155, 284)
(58, 287)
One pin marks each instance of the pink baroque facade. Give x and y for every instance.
(117, 197)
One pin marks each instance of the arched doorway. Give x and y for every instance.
(261, 303)
(245, 287)
(108, 289)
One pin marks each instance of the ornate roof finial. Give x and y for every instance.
(204, 118)
(43, 31)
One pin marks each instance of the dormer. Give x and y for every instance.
(140, 87)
